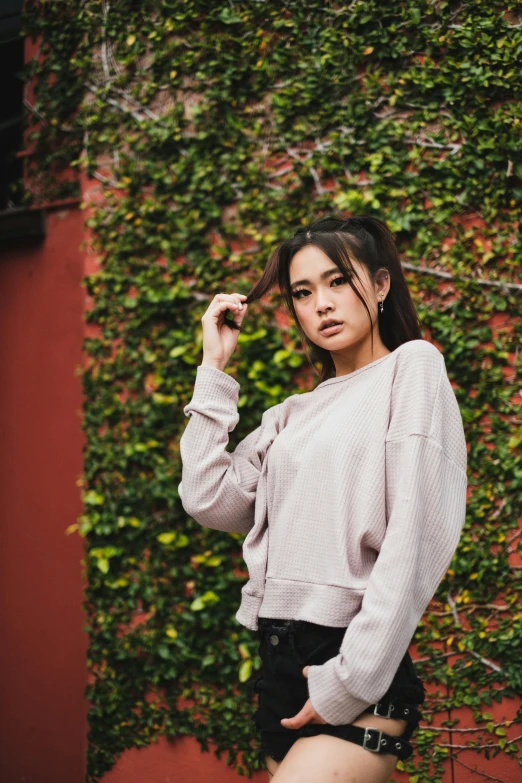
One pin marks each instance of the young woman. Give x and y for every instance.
(353, 496)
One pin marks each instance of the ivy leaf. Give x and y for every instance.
(207, 599)
(245, 670)
(227, 16)
(166, 538)
(93, 498)
(178, 351)
(103, 564)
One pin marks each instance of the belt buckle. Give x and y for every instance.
(386, 714)
(367, 736)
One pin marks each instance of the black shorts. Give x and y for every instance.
(286, 646)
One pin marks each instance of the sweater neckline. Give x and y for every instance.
(349, 375)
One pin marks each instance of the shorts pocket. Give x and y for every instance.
(315, 647)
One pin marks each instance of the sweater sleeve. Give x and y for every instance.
(426, 490)
(218, 487)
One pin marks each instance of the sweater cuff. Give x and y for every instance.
(328, 694)
(211, 383)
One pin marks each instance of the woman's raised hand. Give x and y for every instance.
(219, 340)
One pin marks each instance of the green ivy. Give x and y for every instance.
(210, 132)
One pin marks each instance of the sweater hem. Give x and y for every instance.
(288, 599)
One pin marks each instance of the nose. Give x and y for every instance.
(323, 308)
(322, 303)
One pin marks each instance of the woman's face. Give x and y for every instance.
(320, 291)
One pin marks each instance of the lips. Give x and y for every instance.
(328, 324)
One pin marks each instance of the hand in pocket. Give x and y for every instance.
(306, 715)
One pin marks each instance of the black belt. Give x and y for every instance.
(394, 708)
(377, 740)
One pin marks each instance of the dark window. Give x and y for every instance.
(11, 101)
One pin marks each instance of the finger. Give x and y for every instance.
(237, 308)
(305, 671)
(239, 311)
(302, 717)
(221, 307)
(232, 298)
(230, 302)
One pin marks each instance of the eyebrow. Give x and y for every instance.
(322, 276)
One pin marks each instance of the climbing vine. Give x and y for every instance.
(199, 135)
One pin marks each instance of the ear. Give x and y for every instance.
(382, 283)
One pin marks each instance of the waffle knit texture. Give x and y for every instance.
(353, 499)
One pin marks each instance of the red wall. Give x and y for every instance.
(43, 725)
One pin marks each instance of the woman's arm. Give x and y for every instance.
(426, 491)
(218, 488)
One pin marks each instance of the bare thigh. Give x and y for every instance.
(272, 766)
(327, 759)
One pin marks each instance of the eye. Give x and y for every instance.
(297, 291)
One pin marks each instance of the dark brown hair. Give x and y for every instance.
(368, 240)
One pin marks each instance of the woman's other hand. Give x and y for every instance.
(306, 715)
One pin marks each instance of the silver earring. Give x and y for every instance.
(380, 303)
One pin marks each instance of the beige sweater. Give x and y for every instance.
(353, 498)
